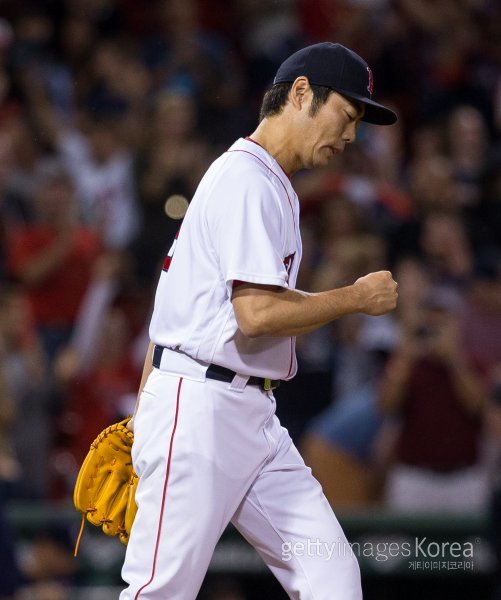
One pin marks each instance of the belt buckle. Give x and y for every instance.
(270, 384)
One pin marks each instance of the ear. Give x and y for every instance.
(299, 93)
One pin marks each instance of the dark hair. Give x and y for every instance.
(277, 96)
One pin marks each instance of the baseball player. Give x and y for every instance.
(208, 447)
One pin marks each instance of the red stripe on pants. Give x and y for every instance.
(164, 494)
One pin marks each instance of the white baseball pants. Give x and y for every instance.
(207, 454)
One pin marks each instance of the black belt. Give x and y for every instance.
(222, 373)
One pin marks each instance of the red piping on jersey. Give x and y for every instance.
(293, 220)
(164, 494)
(277, 176)
(291, 364)
(249, 139)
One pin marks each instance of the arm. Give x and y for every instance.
(393, 384)
(41, 266)
(468, 386)
(449, 346)
(93, 310)
(7, 407)
(445, 346)
(147, 369)
(40, 108)
(269, 311)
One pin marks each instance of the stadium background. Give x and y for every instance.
(110, 107)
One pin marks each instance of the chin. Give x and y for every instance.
(321, 161)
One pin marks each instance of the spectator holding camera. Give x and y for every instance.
(433, 388)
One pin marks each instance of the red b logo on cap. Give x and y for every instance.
(370, 85)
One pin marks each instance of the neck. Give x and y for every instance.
(273, 135)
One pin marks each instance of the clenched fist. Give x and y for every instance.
(377, 293)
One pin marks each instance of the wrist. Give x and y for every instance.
(356, 295)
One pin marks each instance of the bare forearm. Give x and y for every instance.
(267, 311)
(42, 266)
(468, 387)
(41, 109)
(294, 312)
(394, 384)
(7, 407)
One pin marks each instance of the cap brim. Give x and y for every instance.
(375, 113)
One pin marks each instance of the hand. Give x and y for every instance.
(377, 293)
(130, 425)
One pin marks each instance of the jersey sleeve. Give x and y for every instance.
(247, 224)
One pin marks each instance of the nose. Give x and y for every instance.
(350, 133)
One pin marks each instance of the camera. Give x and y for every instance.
(425, 332)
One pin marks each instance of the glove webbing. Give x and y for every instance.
(104, 434)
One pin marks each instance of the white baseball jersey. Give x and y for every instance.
(242, 225)
(211, 452)
(105, 191)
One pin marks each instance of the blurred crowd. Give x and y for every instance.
(110, 107)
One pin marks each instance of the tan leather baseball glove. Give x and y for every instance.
(106, 484)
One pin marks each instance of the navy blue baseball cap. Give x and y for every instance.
(339, 68)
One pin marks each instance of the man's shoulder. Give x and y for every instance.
(243, 155)
(239, 166)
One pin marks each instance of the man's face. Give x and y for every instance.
(325, 134)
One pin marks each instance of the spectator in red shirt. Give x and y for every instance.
(432, 386)
(53, 258)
